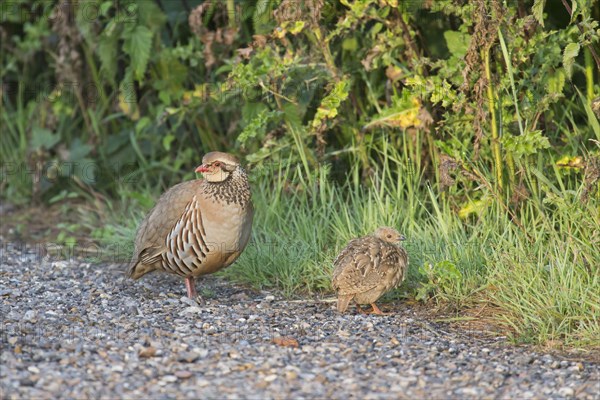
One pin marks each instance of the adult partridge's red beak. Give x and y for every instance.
(202, 168)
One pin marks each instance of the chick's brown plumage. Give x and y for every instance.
(368, 267)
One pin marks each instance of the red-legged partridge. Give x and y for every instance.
(199, 226)
(368, 267)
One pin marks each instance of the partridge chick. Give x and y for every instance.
(368, 267)
(199, 226)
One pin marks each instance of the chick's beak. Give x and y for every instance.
(202, 168)
(402, 238)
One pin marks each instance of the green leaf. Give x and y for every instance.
(257, 125)
(457, 43)
(297, 27)
(170, 74)
(262, 18)
(291, 114)
(105, 7)
(350, 44)
(41, 137)
(447, 270)
(148, 13)
(574, 11)
(107, 52)
(525, 145)
(330, 104)
(571, 51)
(538, 11)
(167, 140)
(141, 124)
(252, 109)
(79, 150)
(403, 113)
(556, 82)
(137, 45)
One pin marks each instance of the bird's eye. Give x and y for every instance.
(389, 236)
(217, 164)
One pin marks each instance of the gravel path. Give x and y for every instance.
(73, 330)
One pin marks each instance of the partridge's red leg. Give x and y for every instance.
(191, 287)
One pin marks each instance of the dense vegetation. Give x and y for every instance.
(472, 126)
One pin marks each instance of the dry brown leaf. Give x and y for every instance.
(394, 73)
(259, 40)
(245, 52)
(285, 341)
(147, 352)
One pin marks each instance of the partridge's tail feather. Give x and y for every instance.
(140, 269)
(343, 301)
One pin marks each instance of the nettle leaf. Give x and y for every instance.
(574, 11)
(525, 145)
(457, 43)
(262, 18)
(148, 14)
(556, 82)
(538, 11)
(571, 51)
(170, 73)
(330, 104)
(137, 45)
(107, 52)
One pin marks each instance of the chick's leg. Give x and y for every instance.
(377, 311)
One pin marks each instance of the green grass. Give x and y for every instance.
(542, 277)
(15, 182)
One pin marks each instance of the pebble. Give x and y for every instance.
(566, 392)
(30, 316)
(524, 360)
(87, 331)
(183, 374)
(191, 310)
(188, 356)
(188, 301)
(169, 378)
